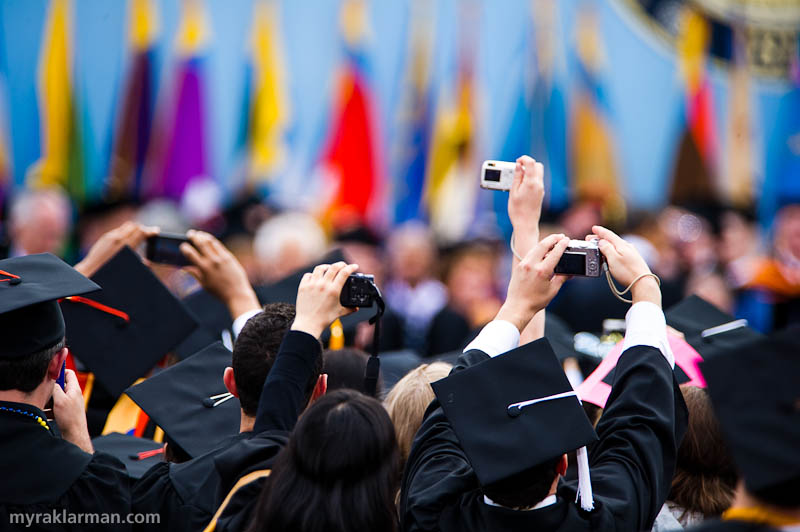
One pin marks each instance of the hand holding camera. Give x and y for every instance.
(318, 297)
(533, 281)
(219, 272)
(627, 266)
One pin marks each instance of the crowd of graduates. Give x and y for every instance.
(227, 390)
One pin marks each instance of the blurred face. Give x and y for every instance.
(411, 261)
(471, 280)
(44, 232)
(787, 233)
(737, 239)
(367, 257)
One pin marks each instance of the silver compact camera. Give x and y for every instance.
(582, 257)
(497, 175)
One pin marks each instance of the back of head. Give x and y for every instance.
(705, 475)
(26, 373)
(345, 369)
(409, 399)
(338, 472)
(255, 350)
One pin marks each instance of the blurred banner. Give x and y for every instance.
(135, 109)
(632, 103)
(62, 160)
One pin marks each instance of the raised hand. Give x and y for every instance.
(533, 283)
(69, 412)
(525, 203)
(627, 265)
(219, 272)
(130, 234)
(318, 297)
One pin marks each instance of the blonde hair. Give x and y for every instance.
(409, 398)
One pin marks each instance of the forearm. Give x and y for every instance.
(79, 437)
(534, 330)
(284, 397)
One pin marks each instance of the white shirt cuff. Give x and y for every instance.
(645, 325)
(496, 338)
(239, 322)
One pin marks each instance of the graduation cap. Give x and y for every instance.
(30, 286)
(121, 332)
(189, 401)
(707, 329)
(755, 392)
(516, 411)
(138, 454)
(213, 316)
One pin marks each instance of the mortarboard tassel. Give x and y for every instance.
(584, 481)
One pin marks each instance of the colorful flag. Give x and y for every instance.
(593, 158)
(416, 124)
(183, 159)
(62, 160)
(451, 194)
(352, 159)
(134, 122)
(549, 113)
(739, 182)
(269, 111)
(693, 177)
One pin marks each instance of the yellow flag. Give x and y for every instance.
(270, 108)
(143, 24)
(55, 76)
(194, 31)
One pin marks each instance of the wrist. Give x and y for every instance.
(515, 315)
(310, 326)
(646, 289)
(241, 302)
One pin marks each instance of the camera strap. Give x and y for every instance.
(374, 364)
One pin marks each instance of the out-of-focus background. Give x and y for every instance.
(674, 122)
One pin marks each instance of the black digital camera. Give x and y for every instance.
(582, 257)
(359, 290)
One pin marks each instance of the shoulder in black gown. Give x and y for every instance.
(45, 475)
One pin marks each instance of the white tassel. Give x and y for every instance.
(584, 481)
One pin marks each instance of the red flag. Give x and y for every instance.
(351, 159)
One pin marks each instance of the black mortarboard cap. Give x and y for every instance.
(121, 332)
(30, 286)
(507, 414)
(138, 454)
(755, 391)
(189, 401)
(707, 329)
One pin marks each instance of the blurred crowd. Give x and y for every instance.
(719, 253)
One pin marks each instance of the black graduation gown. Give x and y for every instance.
(282, 400)
(42, 474)
(632, 464)
(732, 525)
(183, 494)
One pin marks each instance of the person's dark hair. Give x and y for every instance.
(27, 372)
(339, 471)
(705, 475)
(524, 489)
(345, 369)
(255, 350)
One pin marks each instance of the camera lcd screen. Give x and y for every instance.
(492, 175)
(572, 264)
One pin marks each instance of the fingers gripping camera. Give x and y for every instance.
(359, 290)
(581, 258)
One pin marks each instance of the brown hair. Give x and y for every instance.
(409, 398)
(705, 476)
